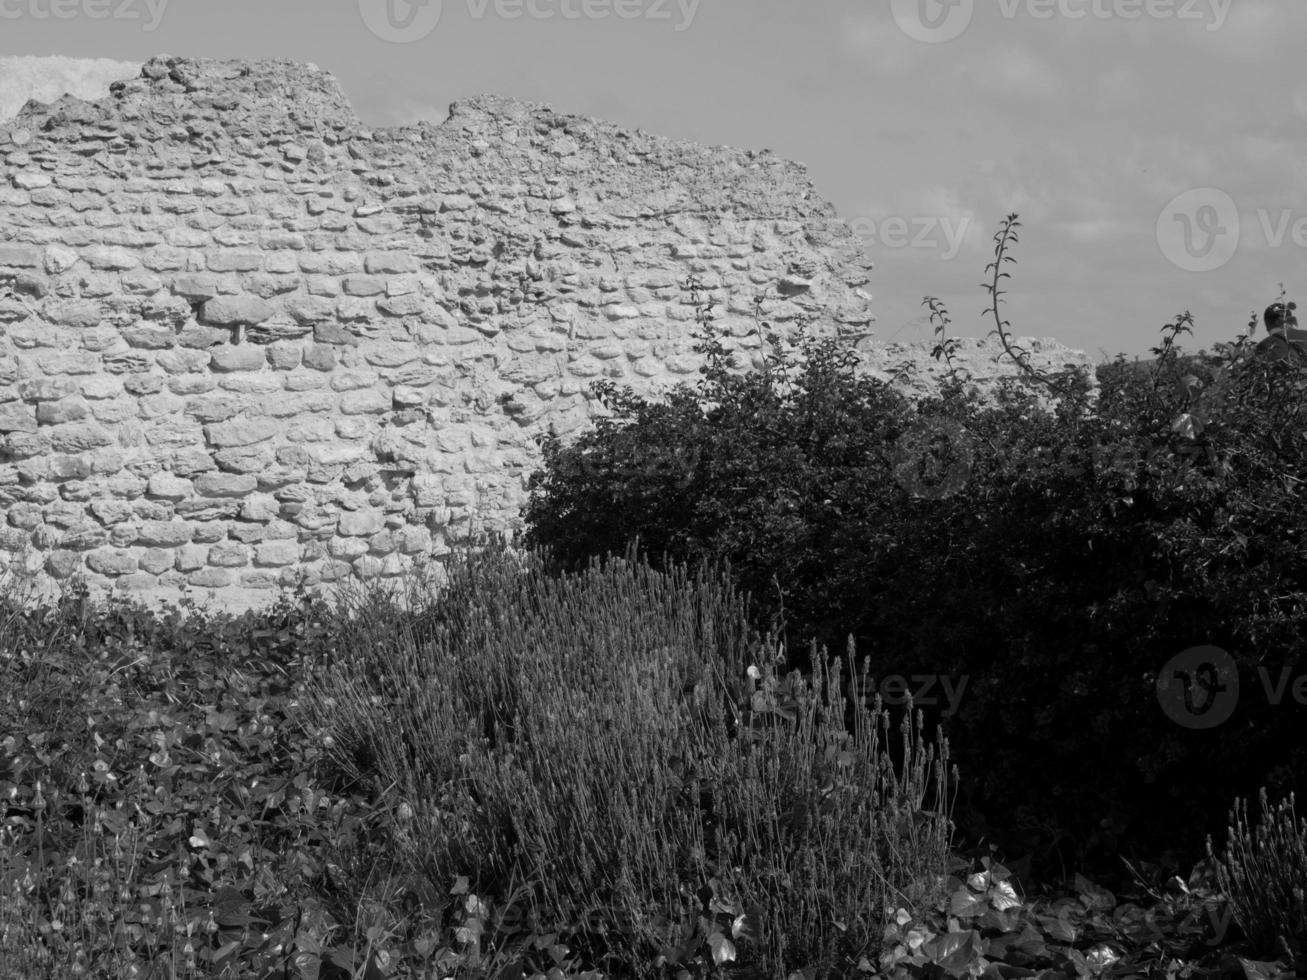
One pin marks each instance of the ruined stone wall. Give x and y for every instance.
(246, 341)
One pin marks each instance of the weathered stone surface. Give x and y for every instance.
(229, 554)
(111, 562)
(65, 410)
(240, 432)
(195, 285)
(19, 256)
(79, 437)
(74, 312)
(272, 342)
(164, 534)
(225, 484)
(226, 311)
(245, 357)
(17, 417)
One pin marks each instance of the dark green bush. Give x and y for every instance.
(1086, 547)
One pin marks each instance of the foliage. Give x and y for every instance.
(1264, 874)
(597, 740)
(769, 470)
(180, 816)
(1052, 558)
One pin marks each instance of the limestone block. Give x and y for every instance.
(225, 484)
(359, 523)
(17, 417)
(243, 357)
(107, 258)
(111, 562)
(347, 549)
(212, 509)
(245, 533)
(163, 534)
(218, 408)
(229, 554)
(389, 262)
(19, 256)
(234, 261)
(61, 564)
(48, 389)
(276, 554)
(79, 437)
(244, 459)
(156, 561)
(142, 383)
(191, 558)
(367, 401)
(149, 336)
(196, 286)
(210, 578)
(227, 311)
(240, 432)
(65, 410)
(73, 312)
(69, 468)
(111, 512)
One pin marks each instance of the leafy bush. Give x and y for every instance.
(776, 470)
(150, 792)
(1052, 558)
(595, 750)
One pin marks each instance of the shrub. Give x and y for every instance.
(771, 470)
(1087, 545)
(1264, 875)
(593, 747)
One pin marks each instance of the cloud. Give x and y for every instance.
(1011, 70)
(876, 43)
(1300, 101)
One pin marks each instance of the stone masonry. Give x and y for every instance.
(247, 342)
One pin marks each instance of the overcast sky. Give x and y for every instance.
(1151, 147)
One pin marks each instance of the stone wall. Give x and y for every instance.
(246, 341)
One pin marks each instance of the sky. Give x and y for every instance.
(1149, 147)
